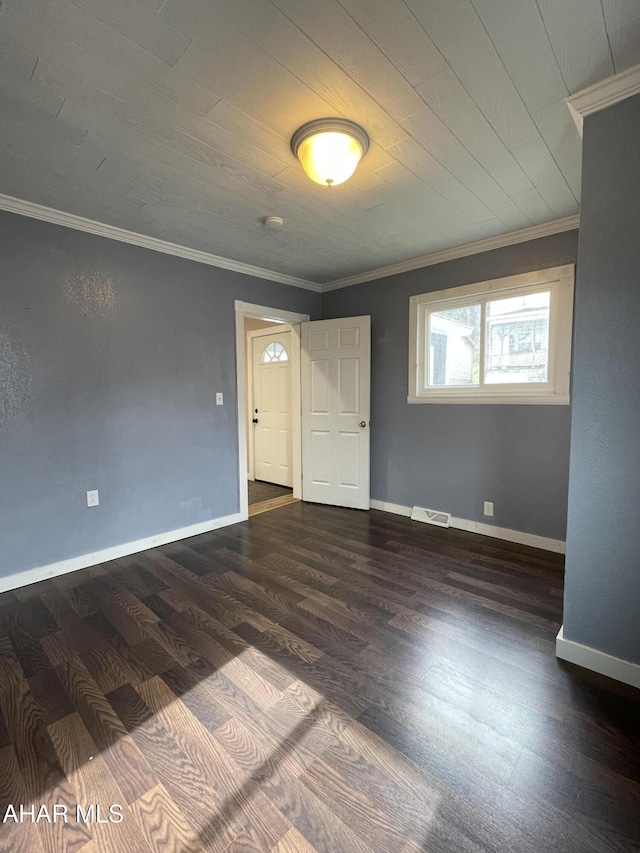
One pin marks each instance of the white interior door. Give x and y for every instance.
(336, 397)
(272, 410)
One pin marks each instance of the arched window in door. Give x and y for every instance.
(274, 352)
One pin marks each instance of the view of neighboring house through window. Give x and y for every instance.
(506, 340)
(518, 338)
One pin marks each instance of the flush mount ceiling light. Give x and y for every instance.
(330, 149)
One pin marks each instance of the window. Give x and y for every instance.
(274, 352)
(501, 341)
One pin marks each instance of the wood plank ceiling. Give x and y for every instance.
(172, 118)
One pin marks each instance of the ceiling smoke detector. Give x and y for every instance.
(273, 224)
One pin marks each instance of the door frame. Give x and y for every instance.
(277, 315)
(251, 336)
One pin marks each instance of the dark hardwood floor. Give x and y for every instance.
(315, 679)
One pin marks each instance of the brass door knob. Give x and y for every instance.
(363, 423)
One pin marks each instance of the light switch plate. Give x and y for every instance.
(219, 398)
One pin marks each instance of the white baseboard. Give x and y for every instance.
(396, 509)
(517, 536)
(52, 570)
(596, 661)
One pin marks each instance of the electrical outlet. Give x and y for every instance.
(488, 508)
(93, 498)
(219, 398)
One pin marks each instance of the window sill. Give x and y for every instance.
(495, 399)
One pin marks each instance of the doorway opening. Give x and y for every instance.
(265, 496)
(268, 379)
(269, 361)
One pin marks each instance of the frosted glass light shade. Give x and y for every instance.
(330, 158)
(330, 149)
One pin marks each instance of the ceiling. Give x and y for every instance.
(172, 118)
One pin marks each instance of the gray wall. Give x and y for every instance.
(602, 591)
(110, 357)
(454, 457)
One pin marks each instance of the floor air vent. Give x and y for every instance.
(431, 516)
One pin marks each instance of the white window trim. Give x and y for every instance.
(553, 392)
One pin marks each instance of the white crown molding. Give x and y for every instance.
(604, 94)
(569, 223)
(79, 223)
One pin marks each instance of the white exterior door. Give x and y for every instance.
(271, 415)
(336, 392)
